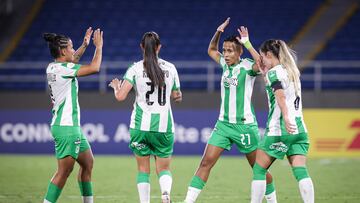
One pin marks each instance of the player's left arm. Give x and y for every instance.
(176, 94)
(245, 41)
(281, 100)
(81, 50)
(121, 88)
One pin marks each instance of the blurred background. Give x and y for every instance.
(324, 33)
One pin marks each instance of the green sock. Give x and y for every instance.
(197, 182)
(143, 177)
(270, 188)
(85, 188)
(259, 173)
(52, 193)
(300, 172)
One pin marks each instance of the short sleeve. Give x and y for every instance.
(69, 70)
(248, 65)
(130, 74)
(272, 77)
(222, 62)
(276, 77)
(176, 85)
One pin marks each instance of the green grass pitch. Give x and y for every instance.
(24, 179)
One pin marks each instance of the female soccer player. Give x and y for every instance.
(237, 123)
(152, 125)
(70, 144)
(286, 133)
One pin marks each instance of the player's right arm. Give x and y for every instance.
(213, 49)
(121, 88)
(94, 66)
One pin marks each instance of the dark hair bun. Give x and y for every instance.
(49, 37)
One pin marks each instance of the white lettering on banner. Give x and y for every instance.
(122, 134)
(21, 132)
(205, 134)
(186, 135)
(95, 132)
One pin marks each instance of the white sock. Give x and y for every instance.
(192, 194)
(88, 199)
(144, 192)
(258, 188)
(165, 182)
(46, 201)
(306, 190)
(271, 198)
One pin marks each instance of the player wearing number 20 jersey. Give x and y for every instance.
(152, 108)
(155, 81)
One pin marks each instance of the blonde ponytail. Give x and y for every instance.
(287, 58)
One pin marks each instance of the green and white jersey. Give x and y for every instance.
(237, 83)
(152, 108)
(63, 87)
(275, 124)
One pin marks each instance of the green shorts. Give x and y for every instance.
(245, 136)
(69, 141)
(145, 143)
(279, 146)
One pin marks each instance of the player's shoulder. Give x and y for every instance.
(166, 64)
(278, 72)
(247, 63)
(55, 67)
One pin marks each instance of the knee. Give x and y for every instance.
(206, 163)
(65, 172)
(88, 166)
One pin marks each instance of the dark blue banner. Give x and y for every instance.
(28, 131)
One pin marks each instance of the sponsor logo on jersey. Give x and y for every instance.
(230, 81)
(279, 146)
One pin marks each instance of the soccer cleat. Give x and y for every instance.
(165, 198)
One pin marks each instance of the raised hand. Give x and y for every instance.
(244, 35)
(98, 38)
(87, 37)
(222, 27)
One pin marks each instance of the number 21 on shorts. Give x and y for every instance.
(245, 139)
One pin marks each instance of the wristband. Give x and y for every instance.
(248, 44)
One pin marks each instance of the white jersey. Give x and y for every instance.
(152, 108)
(276, 125)
(63, 87)
(237, 84)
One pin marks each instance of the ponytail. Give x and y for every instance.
(287, 58)
(150, 42)
(56, 43)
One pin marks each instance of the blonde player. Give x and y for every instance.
(155, 81)
(286, 132)
(236, 123)
(70, 143)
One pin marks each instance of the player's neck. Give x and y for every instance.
(61, 60)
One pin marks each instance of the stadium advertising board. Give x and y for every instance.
(106, 130)
(333, 133)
